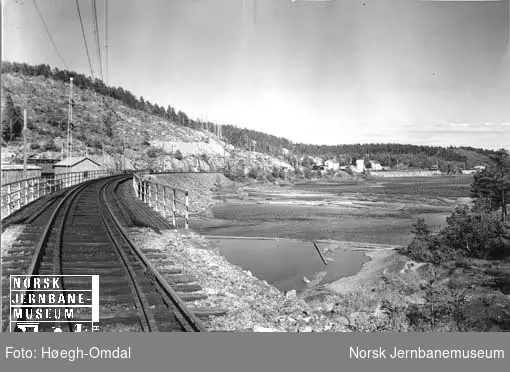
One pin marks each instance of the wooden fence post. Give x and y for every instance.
(156, 197)
(186, 213)
(26, 192)
(8, 199)
(173, 207)
(19, 194)
(150, 193)
(164, 202)
(30, 188)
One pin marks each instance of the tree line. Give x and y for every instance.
(387, 154)
(481, 230)
(118, 93)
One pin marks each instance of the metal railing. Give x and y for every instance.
(20, 193)
(169, 201)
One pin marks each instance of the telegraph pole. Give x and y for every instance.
(25, 143)
(123, 150)
(106, 38)
(103, 124)
(69, 123)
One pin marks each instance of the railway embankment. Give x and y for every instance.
(237, 300)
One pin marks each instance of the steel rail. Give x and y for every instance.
(188, 320)
(39, 248)
(148, 322)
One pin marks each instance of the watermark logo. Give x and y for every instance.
(70, 300)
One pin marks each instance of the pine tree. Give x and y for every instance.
(491, 187)
(12, 125)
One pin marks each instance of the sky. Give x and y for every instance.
(323, 72)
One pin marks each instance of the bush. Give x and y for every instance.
(275, 172)
(34, 146)
(205, 158)
(477, 233)
(307, 173)
(270, 178)
(423, 248)
(50, 146)
(261, 178)
(152, 152)
(178, 155)
(253, 173)
(235, 175)
(442, 311)
(93, 142)
(470, 233)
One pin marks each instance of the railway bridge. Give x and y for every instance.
(79, 226)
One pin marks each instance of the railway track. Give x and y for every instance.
(81, 232)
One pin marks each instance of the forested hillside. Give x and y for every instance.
(114, 117)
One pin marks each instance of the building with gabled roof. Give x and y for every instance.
(76, 164)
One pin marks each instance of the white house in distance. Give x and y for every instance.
(360, 166)
(318, 161)
(331, 164)
(375, 165)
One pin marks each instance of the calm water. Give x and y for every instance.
(284, 263)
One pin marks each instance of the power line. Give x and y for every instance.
(106, 38)
(84, 38)
(96, 30)
(49, 35)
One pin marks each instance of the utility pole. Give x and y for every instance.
(69, 123)
(106, 38)
(123, 150)
(102, 131)
(25, 143)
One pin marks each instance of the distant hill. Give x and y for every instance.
(151, 135)
(149, 140)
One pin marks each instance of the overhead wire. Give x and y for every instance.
(106, 38)
(49, 35)
(96, 30)
(84, 39)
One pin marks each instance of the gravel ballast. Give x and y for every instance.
(251, 304)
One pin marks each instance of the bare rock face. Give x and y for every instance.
(291, 294)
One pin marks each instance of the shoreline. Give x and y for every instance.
(370, 271)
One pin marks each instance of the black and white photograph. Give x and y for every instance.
(255, 166)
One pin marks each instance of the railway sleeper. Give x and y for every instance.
(206, 312)
(85, 265)
(179, 279)
(169, 271)
(91, 257)
(187, 288)
(190, 297)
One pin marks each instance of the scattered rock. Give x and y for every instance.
(264, 329)
(291, 294)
